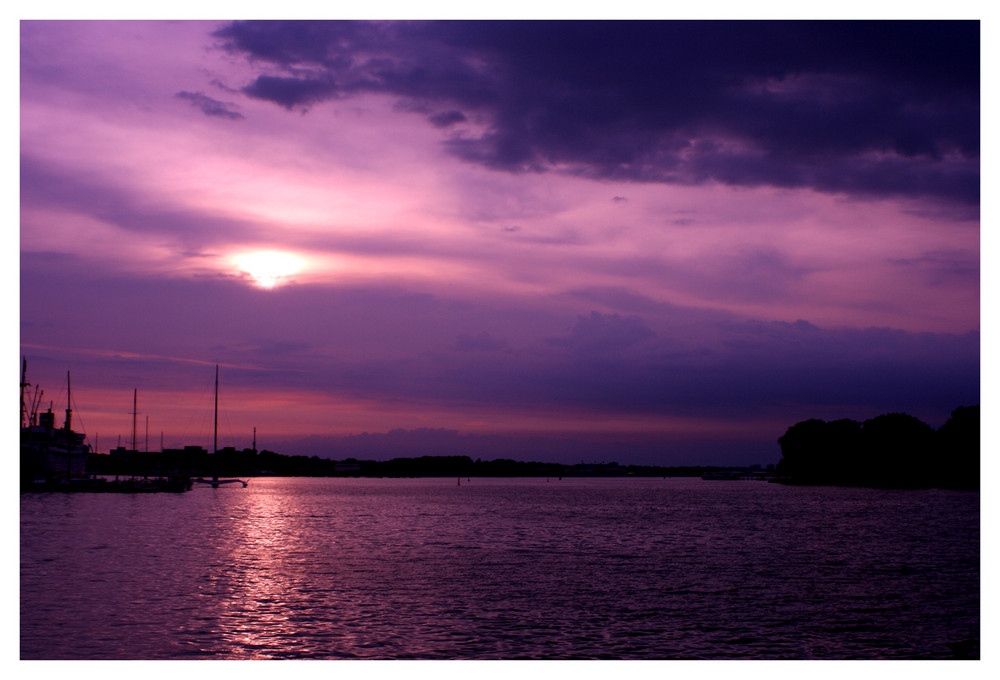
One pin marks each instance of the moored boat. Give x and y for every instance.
(55, 459)
(215, 482)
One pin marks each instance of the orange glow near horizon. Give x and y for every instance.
(185, 418)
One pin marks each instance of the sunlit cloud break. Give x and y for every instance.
(268, 268)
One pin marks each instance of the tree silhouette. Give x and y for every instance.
(890, 450)
(958, 447)
(897, 450)
(817, 452)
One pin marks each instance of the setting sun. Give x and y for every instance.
(268, 268)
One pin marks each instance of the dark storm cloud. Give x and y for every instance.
(291, 92)
(447, 118)
(863, 108)
(209, 106)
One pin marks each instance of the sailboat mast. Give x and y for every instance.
(135, 404)
(69, 411)
(24, 383)
(36, 403)
(215, 435)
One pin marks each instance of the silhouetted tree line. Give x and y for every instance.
(894, 450)
(229, 462)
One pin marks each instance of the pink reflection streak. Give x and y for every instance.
(264, 576)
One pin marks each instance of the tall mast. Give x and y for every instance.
(25, 421)
(36, 403)
(215, 435)
(68, 426)
(69, 411)
(135, 404)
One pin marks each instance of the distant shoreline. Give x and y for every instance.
(196, 462)
(229, 462)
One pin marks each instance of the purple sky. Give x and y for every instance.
(651, 242)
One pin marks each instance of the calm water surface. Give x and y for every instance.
(500, 569)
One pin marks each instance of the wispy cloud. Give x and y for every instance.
(209, 106)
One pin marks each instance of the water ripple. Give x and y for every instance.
(501, 569)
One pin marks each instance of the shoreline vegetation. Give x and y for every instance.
(893, 450)
(230, 462)
(890, 451)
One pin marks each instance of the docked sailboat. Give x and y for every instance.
(215, 482)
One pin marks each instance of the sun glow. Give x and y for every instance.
(268, 268)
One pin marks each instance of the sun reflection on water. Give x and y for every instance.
(265, 578)
(507, 568)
